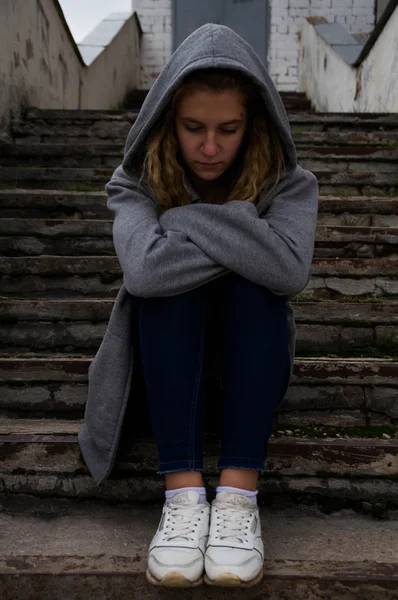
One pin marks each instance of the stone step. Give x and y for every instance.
(58, 548)
(355, 183)
(378, 211)
(27, 237)
(303, 139)
(111, 155)
(343, 139)
(67, 204)
(78, 326)
(101, 276)
(323, 392)
(386, 162)
(42, 457)
(365, 121)
(136, 99)
(116, 127)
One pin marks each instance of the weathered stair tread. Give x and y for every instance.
(62, 265)
(361, 119)
(337, 393)
(50, 447)
(51, 150)
(53, 367)
(78, 326)
(100, 310)
(60, 228)
(53, 199)
(102, 174)
(87, 237)
(101, 276)
(60, 549)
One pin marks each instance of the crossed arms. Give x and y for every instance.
(191, 245)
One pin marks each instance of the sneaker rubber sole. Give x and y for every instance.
(232, 580)
(174, 579)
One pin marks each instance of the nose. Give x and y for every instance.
(210, 147)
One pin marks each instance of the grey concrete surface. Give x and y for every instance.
(87, 529)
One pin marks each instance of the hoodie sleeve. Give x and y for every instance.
(274, 250)
(153, 263)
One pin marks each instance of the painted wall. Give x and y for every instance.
(334, 86)
(116, 70)
(381, 6)
(40, 64)
(287, 17)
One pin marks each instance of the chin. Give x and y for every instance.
(209, 175)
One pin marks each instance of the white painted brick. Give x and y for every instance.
(160, 12)
(285, 79)
(342, 12)
(279, 5)
(364, 4)
(158, 27)
(361, 12)
(282, 26)
(321, 4)
(340, 20)
(298, 12)
(300, 4)
(341, 4)
(155, 43)
(155, 5)
(294, 28)
(283, 41)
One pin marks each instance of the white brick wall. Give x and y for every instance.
(357, 16)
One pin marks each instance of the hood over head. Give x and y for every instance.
(210, 46)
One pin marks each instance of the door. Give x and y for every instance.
(249, 18)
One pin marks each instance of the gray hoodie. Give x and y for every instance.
(270, 243)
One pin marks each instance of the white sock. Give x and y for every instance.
(248, 493)
(202, 491)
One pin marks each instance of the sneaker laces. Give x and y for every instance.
(234, 522)
(180, 521)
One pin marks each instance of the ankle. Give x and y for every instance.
(183, 479)
(246, 479)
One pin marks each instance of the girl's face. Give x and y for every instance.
(210, 127)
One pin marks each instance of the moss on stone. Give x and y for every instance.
(368, 431)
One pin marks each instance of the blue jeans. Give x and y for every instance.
(256, 371)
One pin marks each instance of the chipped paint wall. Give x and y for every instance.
(116, 70)
(39, 65)
(333, 85)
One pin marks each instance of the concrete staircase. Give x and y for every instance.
(332, 468)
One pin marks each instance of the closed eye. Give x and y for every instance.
(194, 129)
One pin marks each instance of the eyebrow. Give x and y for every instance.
(232, 122)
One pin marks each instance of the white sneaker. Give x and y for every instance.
(176, 552)
(235, 550)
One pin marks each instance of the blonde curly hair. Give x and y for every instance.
(260, 160)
